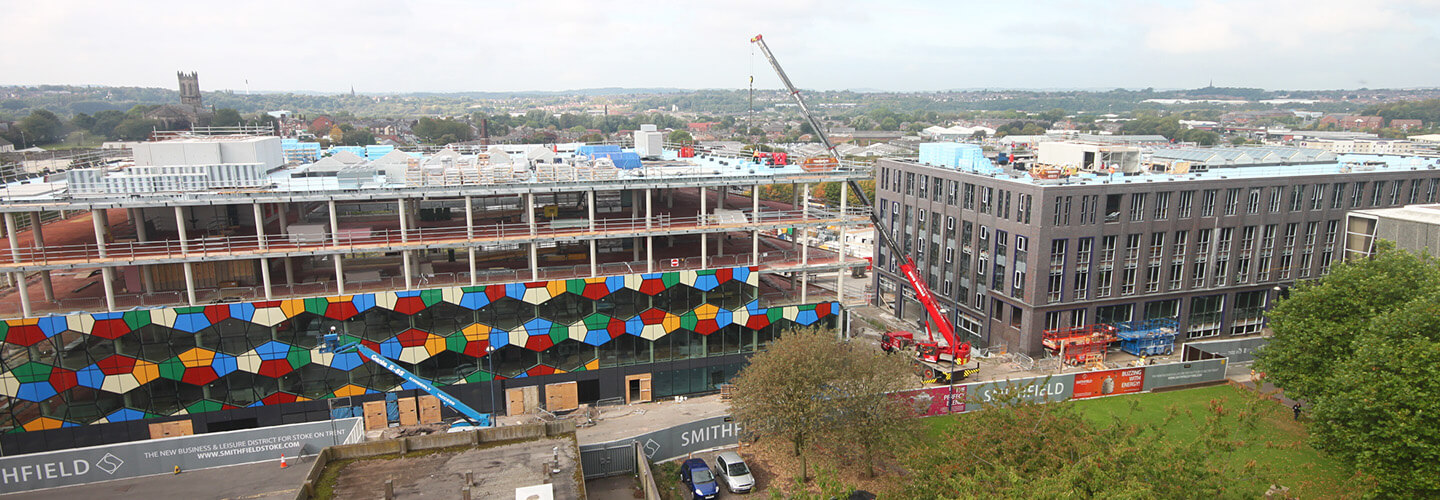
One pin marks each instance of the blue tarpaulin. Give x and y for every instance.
(593, 149)
(956, 155)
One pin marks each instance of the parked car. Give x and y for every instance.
(699, 480)
(735, 473)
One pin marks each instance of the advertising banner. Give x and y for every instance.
(936, 400)
(1049, 389)
(1238, 350)
(1193, 372)
(1108, 382)
(666, 444)
(160, 456)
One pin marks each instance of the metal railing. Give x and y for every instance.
(349, 241)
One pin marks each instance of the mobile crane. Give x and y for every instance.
(939, 362)
(331, 344)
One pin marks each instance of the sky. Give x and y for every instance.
(380, 46)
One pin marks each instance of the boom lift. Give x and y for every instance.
(938, 361)
(332, 345)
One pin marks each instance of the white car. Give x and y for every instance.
(734, 472)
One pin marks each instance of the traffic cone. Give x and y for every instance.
(177, 469)
(283, 463)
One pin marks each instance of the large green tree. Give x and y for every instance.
(1022, 450)
(42, 127)
(1362, 346)
(808, 386)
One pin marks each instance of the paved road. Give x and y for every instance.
(265, 480)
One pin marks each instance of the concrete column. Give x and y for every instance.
(37, 230)
(704, 250)
(590, 206)
(635, 248)
(404, 223)
(19, 279)
(335, 225)
(721, 194)
(649, 214)
(471, 255)
(189, 284)
(184, 237)
(340, 276)
(804, 248)
(260, 226)
(405, 264)
(141, 233)
(530, 213)
(649, 253)
(755, 204)
(534, 262)
(804, 287)
(702, 207)
(265, 278)
(669, 198)
(755, 247)
(289, 272)
(284, 219)
(470, 228)
(11, 235)
(594, 265)
(95, 217)
(720, 244)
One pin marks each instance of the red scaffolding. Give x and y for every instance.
(1079, 345)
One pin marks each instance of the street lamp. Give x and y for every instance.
(494, 404)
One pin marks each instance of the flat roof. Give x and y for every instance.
(1346, 164)
(1428, 214)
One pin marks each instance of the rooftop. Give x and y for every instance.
(1428, 214)
(1344, 165)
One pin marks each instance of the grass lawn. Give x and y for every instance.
(1277, 444)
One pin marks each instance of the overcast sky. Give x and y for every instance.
(487, 45)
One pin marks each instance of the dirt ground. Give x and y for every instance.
(497, 471)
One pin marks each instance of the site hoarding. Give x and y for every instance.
(1187, 373)
(1236, 350)
(936, 400)
(1049, 389)
(160, 456)
(1108, 383)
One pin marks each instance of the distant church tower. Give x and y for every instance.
(190, 89)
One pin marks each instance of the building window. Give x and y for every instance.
(1016, 314)
(1162, 205)
(1177, 249)
(1222, 247)
(1395, 193)
(1325, 262)
(1267, 241)
(1297, 197)
(1114, 314)
(1103, 280)
(986, 194)
(1132, 249)
(924, 183)
(1157, 246)
(1337, 195)
(1232, 201)
(1137, 207)
(1222, 271)
(1305, 264)
(969, 196)
(1077, 317)
(1202, 243)
(952, 193)
(1242, 270)
(1332, 228)
(1177, 275)
(1317, 196)
(909, 183)
(1430, 190)
(1358, 194)
(1284, 267)
(1183, 206)
(1162, 309)
(1291, 230)
(1054, 288)
(1414, 191)
(1197, 275)
(1275, 194)
(1023, 214)
(1252, 206)
(1052, 320)
(1082, 285)
(1249, 312)
(1059, 205)
(1206, 314)
(1082, 250)
(1085, 210)
(1107, 249)
(1127, 281)
(1112, 207)
(1377, 195)
(1207, 204)
(1311, 228)
(1262, 273)
(936, 189)
(1152, 278)
(884, 178)
(1247, 239)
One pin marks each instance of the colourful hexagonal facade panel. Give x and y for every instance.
(36, 382)
(198, 366)
(273, 359)
(471, 341)
(412, 346)
(118, 374)
(258, 340)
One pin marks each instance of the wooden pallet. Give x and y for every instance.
(725, 391)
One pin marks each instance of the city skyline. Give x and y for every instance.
(380, 47)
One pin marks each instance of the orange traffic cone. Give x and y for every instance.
(283, 463)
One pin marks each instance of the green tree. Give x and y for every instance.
(1362, 345)
(42, 127)
(807, 385)
(437, 131)
(135, 129)
(226, 117)
(679, 136)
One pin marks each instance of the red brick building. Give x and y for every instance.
(1406, 124)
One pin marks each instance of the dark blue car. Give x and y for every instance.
(699, 480)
